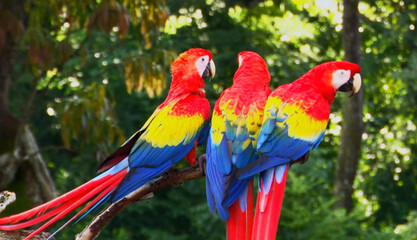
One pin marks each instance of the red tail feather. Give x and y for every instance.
(239, 226)
(59, 207)
(268, 210)
(86, 187)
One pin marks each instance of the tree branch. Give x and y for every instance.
(172, 177)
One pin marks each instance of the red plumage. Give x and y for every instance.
(235, 125)
(148, 153)
(295, 120)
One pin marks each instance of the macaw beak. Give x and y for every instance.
(210, 71)
(352, 85)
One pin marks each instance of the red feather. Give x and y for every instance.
(268, 210)
(187, 96)
(239, 226)
(63, 205)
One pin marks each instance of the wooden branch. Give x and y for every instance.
(20, 234)
(172, 177)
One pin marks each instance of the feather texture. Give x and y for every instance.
(296, 116)
(174, 129)
(235, 127)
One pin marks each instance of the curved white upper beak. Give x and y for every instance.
(213, 69)
(357, 83)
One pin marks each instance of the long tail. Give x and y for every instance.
(96, 190)
(239, 225)
(269, 202)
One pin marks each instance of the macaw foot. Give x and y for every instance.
(301, 160)
(201, 162)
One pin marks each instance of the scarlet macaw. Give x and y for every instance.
(174, 129)
(236, 122)
(295, 121)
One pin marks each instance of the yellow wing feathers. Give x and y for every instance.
(243, 124)
(293, 115)
(177, 129)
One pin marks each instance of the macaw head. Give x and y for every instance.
(252, 71)
(190, 69)
(331, 77)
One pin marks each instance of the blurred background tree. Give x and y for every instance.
(78, 77)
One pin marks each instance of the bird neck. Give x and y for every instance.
(190, 83)
(321, 83)
(255, 79)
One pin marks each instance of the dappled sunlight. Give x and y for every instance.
(85, 74)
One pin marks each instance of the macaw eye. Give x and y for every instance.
(201, 64)
(340, 77)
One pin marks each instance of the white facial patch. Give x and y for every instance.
(340, 77)
(201, 64)
(240, 60)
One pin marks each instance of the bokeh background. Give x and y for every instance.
(77, 77)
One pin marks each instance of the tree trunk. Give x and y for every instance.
(39, 183)
(19, 151)
(8, 123)
(353, 127)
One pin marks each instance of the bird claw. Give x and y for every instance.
(202, 162)
(301, 160)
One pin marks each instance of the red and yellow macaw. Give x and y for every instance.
(231, 145)
(174, 129)
(295, 120)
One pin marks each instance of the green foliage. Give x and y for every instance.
(142, 72)
(80, 114)
(307, 209)
(95, 65)
(409, 230)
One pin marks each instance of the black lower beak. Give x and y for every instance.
(209, 71)
(347, 87)
(207, 74)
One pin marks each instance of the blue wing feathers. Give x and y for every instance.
(243, 158)
(267, 128)
(237, 147)
(318, 141)
(260, 165)
(221, 156)
(236, 190)
(230, 131)
(223, 189)
(138, 177)
(210, 197)
(242, 134)
(204, 133)
(147, 162)
(215, 182)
